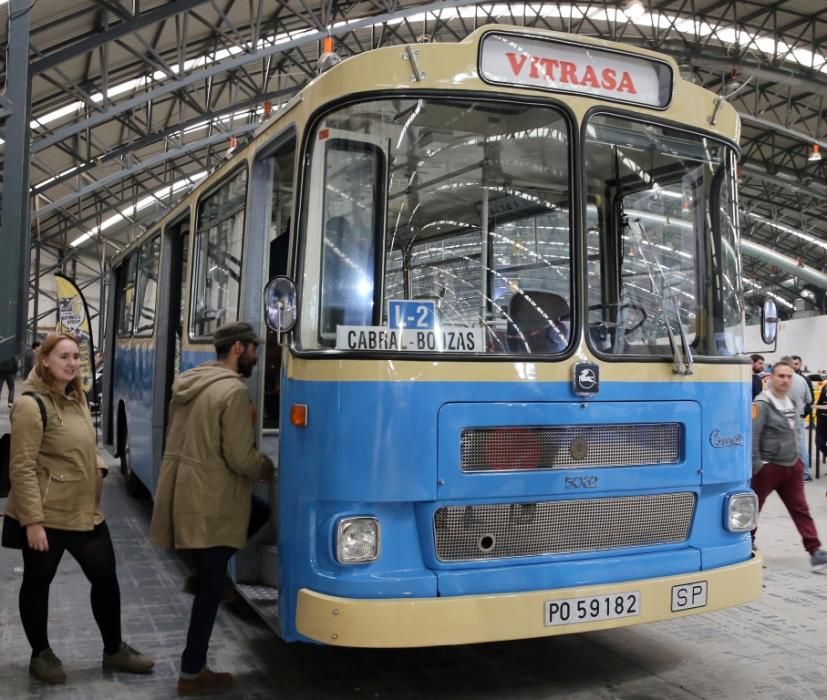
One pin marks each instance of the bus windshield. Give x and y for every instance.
(662, 239)
(458, 208)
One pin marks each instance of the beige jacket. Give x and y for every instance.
(55, 479)
(210, 462)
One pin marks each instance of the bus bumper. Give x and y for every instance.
(419, 622)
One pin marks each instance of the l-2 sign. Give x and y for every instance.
(514, 59)
(416, 315)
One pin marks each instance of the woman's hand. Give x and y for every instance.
(36, 536)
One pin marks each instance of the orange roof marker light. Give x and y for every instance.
(328, 57)
(298, 415)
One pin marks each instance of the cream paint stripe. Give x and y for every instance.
(333, 370)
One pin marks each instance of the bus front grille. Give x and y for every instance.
(555, 527)
(569, 446)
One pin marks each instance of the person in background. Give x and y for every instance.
(203, 499)
(8, 373)
(54, 507)
(30, 358)
(802, 395)
(821, 422)
(757, 375)
(776, 462)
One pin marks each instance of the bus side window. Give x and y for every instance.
(126, 301)
(348, 276)
(353, 202)
(219, 240)
(146, 298)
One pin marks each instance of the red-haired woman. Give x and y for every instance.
(54, 506)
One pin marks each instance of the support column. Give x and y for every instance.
(15, 234)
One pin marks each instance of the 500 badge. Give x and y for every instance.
(581, 482)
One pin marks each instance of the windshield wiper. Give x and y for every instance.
(681, 353)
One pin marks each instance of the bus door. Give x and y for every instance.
(174, 263)
(267, 248)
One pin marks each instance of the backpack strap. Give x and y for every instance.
(40, 405)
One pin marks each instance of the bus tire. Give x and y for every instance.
(133, 484)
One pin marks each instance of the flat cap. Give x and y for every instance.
(238, 330)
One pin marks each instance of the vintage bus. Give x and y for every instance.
(504, 379)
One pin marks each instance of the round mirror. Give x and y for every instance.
(769, 321)
(280, 304)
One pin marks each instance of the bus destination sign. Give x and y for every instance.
(438, 339)
(548, 64)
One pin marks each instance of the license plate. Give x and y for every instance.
(689, 596)
(592, 608)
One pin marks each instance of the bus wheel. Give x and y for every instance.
(134, 487)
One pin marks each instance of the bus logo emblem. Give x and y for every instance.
(585, 379)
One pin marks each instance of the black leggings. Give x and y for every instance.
(93, 551)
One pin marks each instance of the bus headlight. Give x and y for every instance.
(357, 540)
(741, 512)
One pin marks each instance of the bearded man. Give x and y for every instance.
(203, 499)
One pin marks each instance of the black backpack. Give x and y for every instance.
(5, 448)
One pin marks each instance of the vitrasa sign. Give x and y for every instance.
(509, 59)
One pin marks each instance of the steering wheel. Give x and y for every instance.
(620, 307)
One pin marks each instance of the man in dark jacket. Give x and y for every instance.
(757, 374)
(8, 373)
(776, 462)
(30, 358)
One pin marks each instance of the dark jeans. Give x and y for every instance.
(210, 566)
(93, 551)
(788, 481)
(8, 380)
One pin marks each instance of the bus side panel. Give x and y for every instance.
(132, 386)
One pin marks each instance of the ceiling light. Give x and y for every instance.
(634, 8)
(815, 154)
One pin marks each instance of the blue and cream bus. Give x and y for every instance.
(504, 379)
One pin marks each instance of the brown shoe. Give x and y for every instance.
(47, 668)
(128, 660)
(205, 683)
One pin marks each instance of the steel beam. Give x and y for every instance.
(780, 129)
(16, 234)
(92, 42)
(141, 166)
(104, 116)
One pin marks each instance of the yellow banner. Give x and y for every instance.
(73, 318)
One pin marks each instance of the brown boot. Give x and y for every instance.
(205, 683)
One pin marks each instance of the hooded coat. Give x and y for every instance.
(55, 475)
(210, 462)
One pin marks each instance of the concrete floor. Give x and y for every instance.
(772, 649)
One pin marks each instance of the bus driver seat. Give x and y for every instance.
(538, 322)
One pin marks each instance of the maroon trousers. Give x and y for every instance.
(789, 482)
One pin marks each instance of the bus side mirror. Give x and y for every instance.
(769, 321)
(280, 305)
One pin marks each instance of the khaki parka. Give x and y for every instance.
(55, 474)
(210, 462)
